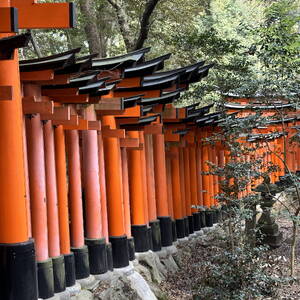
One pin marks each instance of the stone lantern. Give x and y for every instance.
(268, 230)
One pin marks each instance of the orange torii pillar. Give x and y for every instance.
(198, 223)
(176, 188)
(37, 183)
(170, 193)
(190, 226)
(52, 210)
(116, 218)
(104, 212)
(139, 211)
(93, 218)
(152, 211)
(79, 248)
(194, 181)
(161, 192)
(63, 207)
(126, 197)
(18, 277)
(182, 188)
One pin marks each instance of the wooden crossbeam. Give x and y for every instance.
(109, 104)
(60, 92)
(74, 121)
(73, 99)
(6, 93)
(58, 79)
(153, 129)
(37, 75)
(82, 125)
(38, 107)
(33, 15)
(129, 143)
(118, 133)
(60, 113)
(8, 19)
(94, 125)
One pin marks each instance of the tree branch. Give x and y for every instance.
(145, 23)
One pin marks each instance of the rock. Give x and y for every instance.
(84, 295)
(170, 263)
(120, 289)
(151, 261)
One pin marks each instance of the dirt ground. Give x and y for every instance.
(182, 284)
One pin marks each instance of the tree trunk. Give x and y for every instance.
(91, 29)
(130, 41)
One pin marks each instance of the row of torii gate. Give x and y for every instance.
(95, 161)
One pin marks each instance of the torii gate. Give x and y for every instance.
(18, 279)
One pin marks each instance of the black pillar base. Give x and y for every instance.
(149, 230)
(202, 219)
(18, 272)
(156, 235)
(59, 274)
(187, 226)
(70, 269)
(197, 222)
(82, 266)
(191, 224)
(109, 254)
(209, 218)
(97, 256)
(166, 231)
(131, 249)
(45, 279)
(141, 238)
(174, 232)
(119, 245)
(214, 216)
(180, 228)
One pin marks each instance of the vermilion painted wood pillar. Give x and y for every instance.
(188, 190)
(193, 177)
(17, 254)
(153, 221)
(93, 221)
(199, 175)
(27, 189)
(137, 203)
(63, 208)
(37, 182)
(51, 191)
(176, 188)
(102, 187)
(169, 186)
(161, 195)
(182, 190)
(205, 168)
(126, 200)
(144, 175)
(76, 206)
(116, 218)
(52, 210)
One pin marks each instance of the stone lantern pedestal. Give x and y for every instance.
(268, 231)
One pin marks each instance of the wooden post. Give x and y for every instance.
(81, 257)
(37, 182)
(116, 218)
(137, 202)
(160, 174)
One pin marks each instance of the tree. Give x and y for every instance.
(121, 9)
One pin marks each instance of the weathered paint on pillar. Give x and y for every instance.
(160, 174)
(91, 184)
(51, 190)
(75, 189)
(62, 190)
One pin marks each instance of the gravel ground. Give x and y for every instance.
(182, 284)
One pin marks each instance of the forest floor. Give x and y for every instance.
(183, 284)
